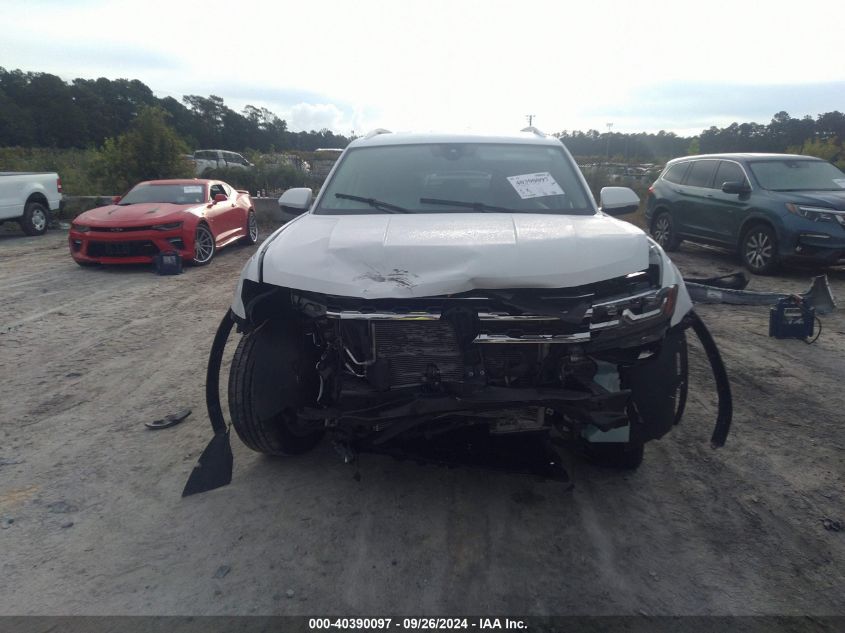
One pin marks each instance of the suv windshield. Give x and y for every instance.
(174, 194)
(798, 175)
(455, 178)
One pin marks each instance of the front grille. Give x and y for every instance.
(411, 346)
(119, 229)
(122, 249)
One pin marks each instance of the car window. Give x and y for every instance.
(216, 189)
(798, 175)
(729, 171)
(701, 173)
(169, 193)
(508, 176)
(676, 173)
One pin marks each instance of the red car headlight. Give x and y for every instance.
(81, 228)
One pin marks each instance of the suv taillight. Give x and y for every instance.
(59, 185)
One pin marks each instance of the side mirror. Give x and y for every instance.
(619, 200)
(116, 199)
(736, 187)
(297, 198)
(220, 197)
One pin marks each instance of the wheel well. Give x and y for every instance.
(748, 224)
(38, 197)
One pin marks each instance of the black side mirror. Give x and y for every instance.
(736, 187)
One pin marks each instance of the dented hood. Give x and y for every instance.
(381, 256)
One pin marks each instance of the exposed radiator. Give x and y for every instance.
(411, 346)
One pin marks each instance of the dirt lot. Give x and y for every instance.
(93, 522)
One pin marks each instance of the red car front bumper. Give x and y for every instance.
(128, 246)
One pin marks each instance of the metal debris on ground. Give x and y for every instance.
(731, 289)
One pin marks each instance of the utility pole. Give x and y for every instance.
(609, 127)
(530, 118)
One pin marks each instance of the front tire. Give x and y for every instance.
(204, 246)
(35, 218)
(273, 374)
(663, 232)
(622, 456)
(759, 250)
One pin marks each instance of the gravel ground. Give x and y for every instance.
(92, 521)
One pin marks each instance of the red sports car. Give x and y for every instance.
(192, 217)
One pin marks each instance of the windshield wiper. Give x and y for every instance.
(476, 206)
(375, 204)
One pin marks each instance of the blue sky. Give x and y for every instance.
(452, 64)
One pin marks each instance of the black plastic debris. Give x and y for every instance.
(169, 420)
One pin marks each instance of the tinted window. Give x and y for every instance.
(676, 173)
(798, 175)
(174, 194)
(701, 173)
(451, 177)
(728, 172)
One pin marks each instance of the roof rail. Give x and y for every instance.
(534, 131)
(377, 131)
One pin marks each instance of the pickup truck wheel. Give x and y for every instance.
(273, 374)
(204, 247)
(663, 231)
(759, 250)
(251, 236)
(35, 217)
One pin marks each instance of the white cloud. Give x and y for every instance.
(429, 63)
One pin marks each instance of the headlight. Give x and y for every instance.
(816, 214)
(167, 227)
(81, 228)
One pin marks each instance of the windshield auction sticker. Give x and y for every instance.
(535, 185)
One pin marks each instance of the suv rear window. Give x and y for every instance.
(676, 173)
(701, 173)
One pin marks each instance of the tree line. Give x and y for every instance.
(42, 110)
(822, 136)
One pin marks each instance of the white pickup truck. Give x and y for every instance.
(28, 198)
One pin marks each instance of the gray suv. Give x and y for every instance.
(769, 207)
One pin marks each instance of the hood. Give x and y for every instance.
(142, 213)
(380, 256)
(829, 199)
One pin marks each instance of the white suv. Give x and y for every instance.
(443, 282)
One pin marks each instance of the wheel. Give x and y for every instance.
(623, 456)
(204, 247)
(663, 231)
(251, 236)
(759, 250)
(35, 218)
(273, 374)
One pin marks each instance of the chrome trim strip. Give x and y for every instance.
(578, 337)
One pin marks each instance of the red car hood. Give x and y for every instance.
(133, 214)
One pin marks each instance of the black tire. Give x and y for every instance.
(758, 249)
(273, 374)
(663, 231)
(204, 246)
(35, 218)
(251, 236)
(622, 456)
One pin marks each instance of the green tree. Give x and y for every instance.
(150, 149)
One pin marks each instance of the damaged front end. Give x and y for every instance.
(601, 363)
